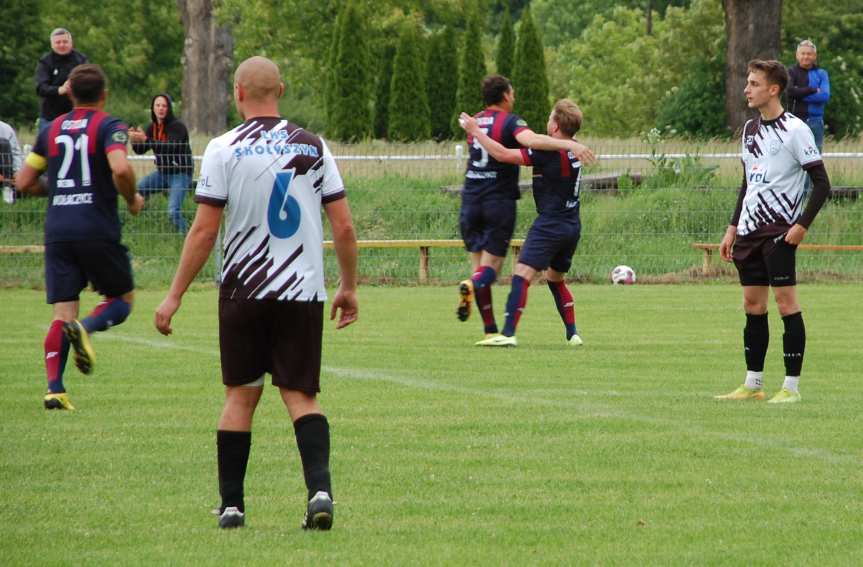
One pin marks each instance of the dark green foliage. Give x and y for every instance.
(330, 71)
(696, 107)
(442, 80)
(351, 115)
(409, 107)
(506, 45)
(20, 47)
(382, 97)
(529, 78)
(471, 70)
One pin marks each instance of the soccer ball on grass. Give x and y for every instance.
(622, 275)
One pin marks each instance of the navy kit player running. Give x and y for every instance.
(554, 235)
(769, 222)
(488, 209)
(84, 153)
(272, 177)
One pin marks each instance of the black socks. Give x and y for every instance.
(793, 343)
(756, 337)
(313, 441)
(233, 454)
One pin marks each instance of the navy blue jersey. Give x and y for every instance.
(487, 178)
(556, 177)
(82, 198)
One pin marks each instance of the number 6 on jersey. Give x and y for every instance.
(283, 212)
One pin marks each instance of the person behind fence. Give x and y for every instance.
(84, 154)
(52, 76)
(168, 137)
(10, 160)
(554, 235)
(808, 90)
(768, 223)
(272, 178)
(488, 207)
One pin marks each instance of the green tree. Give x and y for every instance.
(471, 70)
(351, 114)
(529, 77)
(22, 44)
(330, 101)
(442, 79)
(382, 97)
(409, 107)
(506, 44)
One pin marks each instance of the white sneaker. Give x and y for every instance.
(575, 341)
(231, 517)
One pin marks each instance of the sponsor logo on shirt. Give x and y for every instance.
(74, 199)
(276, 149)
(74, 124)
(758, 174)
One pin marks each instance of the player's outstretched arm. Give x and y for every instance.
(196, 249)
(530, 139)
(345, 302)
(494, 148)
(124, 180)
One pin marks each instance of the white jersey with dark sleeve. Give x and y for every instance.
(776, 154)
(273, 177)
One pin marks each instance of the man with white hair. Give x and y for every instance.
(52, 76)
(808, 90)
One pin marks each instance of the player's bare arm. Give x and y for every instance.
(199, 242)
(345, 303)
(727, 243)
(124, 180)
(27, 181)
(534, 141)
(495, 149)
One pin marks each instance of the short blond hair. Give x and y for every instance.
(568, 116)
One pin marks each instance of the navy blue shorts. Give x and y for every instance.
(70, 265)
(550, 243)
(488, 225)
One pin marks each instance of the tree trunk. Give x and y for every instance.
(752, 28)
(207, 61)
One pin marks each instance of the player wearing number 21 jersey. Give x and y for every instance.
(272, 178)
(83, 153)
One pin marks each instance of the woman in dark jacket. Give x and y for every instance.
(169, 139)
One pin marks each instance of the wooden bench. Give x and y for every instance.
(423, 246)
(709, 248)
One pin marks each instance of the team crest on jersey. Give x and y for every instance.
(775, 146)
(521, 122)
(120, 137)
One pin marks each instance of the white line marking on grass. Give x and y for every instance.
(584, 409)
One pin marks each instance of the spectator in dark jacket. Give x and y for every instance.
(168, 137)
(808, 90)
(52, 76)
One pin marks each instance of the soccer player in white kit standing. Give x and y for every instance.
(767, 225)
(273, 177)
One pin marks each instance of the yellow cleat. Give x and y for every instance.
(742, 393)
(465, 293)
(57, 401)
(498, 340)
(785, 396)
(79, 339)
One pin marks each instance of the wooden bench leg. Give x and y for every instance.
(424, 264)
(708, 260)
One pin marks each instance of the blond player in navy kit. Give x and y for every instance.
(272, 177)
(768, 223)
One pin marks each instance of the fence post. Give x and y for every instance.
(424, 264)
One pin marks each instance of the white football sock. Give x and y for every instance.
(753, 380)
(792, 383)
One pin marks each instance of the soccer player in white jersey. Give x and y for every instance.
(273, 177)
(767, 225)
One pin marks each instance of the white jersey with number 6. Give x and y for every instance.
(273, 177)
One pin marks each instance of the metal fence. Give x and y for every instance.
(660, 198)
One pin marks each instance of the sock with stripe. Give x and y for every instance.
(313, 441)
(56, 353)
(108, 313)
(793, 346)
(233, 455)
(483, 278)
(515, 304)
(565, 306)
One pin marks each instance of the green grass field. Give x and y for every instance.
(443, 453)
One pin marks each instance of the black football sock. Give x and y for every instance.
(793, 343)
(313, 440)
(756, 337)
(233, 451)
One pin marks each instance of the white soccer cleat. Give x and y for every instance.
(575, 341)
